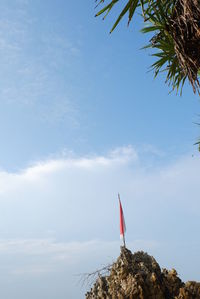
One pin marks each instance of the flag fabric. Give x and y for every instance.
(122, 221)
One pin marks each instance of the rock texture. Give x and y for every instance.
(138, 276)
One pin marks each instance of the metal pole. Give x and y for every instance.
(124, 241)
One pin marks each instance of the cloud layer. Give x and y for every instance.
(60, 217)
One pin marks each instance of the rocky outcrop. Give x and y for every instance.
(138, 276)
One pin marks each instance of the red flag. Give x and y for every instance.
(122, 221)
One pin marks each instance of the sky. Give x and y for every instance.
(81, 119)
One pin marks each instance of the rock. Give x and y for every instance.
(191, 290)
(138, 276)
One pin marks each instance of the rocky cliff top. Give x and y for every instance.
(138, 276)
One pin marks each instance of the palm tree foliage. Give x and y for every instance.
(175, 26)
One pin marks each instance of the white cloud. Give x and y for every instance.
(63, 251)
(39, 257)
(41, 170)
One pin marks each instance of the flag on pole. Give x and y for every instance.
(122, 221)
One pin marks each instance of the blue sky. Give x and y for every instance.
(82, 119)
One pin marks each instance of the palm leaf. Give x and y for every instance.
(107, 7)
(124, 11)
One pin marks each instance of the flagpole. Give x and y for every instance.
(124, 241)
(123, 232)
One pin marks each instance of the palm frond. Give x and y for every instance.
(175, 27)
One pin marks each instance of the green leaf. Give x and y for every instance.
(132, 9)
(124, 11)
(150, 29)
(107, 7)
